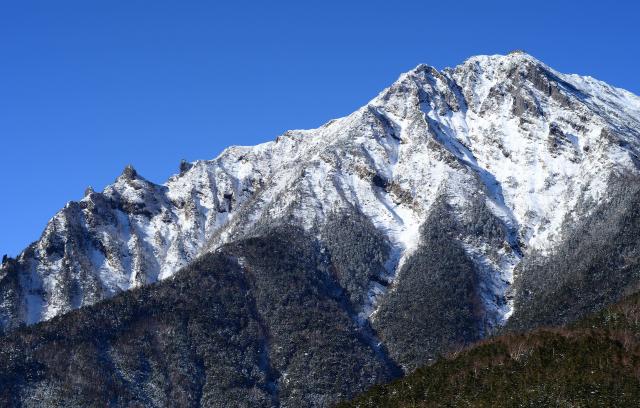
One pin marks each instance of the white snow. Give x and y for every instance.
(407, 136)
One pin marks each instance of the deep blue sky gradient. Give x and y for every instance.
(89, 86)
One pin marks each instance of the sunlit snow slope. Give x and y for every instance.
(530, 144)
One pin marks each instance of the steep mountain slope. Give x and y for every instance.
(594, 363)
(456, 203)
(533, 143)
(598, 261)
(262, 322)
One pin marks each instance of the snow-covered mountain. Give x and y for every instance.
(499, 194)
(506, 136)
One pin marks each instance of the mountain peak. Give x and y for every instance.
(502, 61)
(129, 173)
(424, 68)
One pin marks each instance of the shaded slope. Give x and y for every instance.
(157, 346)
(595, 265)
(436, 302)
(595, 362)
(262, 322)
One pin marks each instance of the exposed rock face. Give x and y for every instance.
(417, 208)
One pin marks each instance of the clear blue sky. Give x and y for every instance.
(89, 86)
